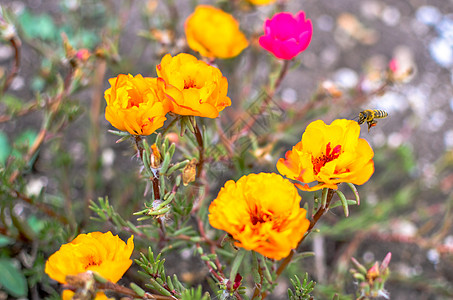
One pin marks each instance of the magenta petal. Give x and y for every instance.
(306, 27)
(266, 42)
(284, 49)
(304, 40)
(283, 26)
(289, 49)
(270, 45)
(300, 17)
(267, 27)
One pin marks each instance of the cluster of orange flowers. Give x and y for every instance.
(185, 86)
(262, 211)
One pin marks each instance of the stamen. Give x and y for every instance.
(330, 154)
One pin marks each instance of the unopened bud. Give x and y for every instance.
(68, 49)
(373, 272)
(172, 137)
(237, 281)
(386, 261)
(83, 54)
(84, 284)
(393, 65)
(189, 172)
(398, 72)
(156, 158)
(331, 89)
(164, 37)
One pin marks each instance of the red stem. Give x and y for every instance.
(155, 179)
(199, 138)
(15, 42)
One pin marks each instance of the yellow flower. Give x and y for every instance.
(262, 212)
(99, 252)
(136, 104)
(214, 33)
(329, 154)
(261, 2)
(195, 88)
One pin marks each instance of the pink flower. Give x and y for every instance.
(286, 36)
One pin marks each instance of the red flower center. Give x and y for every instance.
(258, 217)
(189, 83)
(331, 154)
(92, 261)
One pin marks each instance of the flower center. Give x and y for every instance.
(134, 98)
(258, 217)
(189, 83)
(330, 154)
(92, 261)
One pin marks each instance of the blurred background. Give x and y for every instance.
(395, 56)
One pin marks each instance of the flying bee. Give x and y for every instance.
(369, 116)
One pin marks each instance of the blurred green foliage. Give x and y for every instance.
(12, 278)
(43, 27)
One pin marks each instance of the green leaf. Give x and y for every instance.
(38, 26)
(5, 241)
(338, 203)
(37, 84)
(344, 202)
(23, 143)
(354, 190)
(36, 224)
(12, 103)
(26, 138)
(236, 263)
(88, 39)
(5, 148)
(12, 279)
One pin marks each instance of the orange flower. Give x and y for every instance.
(262, 212)
(195, 88)
(261, 2)
(136, 104)
(329, 154)
(214, 33)
(99, 252)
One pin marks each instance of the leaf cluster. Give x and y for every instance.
(302, 289)
(154, 271)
